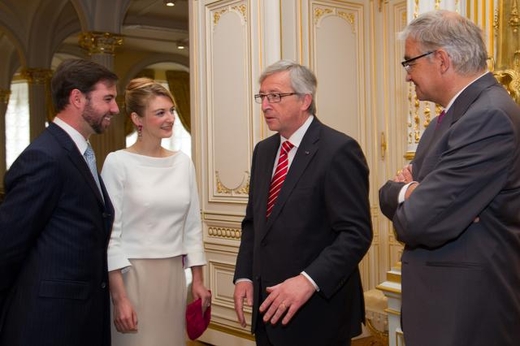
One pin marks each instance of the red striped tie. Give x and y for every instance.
(279, 176)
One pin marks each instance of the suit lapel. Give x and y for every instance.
(306, 151)
(431, 136)
(76, 157)
(468, 96)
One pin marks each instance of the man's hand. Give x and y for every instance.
(286, 299)
(404, 175)
(243, 293)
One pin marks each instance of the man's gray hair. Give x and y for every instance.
(303, 80)
(457, 35)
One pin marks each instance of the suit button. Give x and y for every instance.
(103, 285)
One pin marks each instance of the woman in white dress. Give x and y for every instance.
(157, 229)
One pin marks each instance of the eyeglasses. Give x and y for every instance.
(272, 97)
(406, 63)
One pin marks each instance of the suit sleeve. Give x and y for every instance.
(32, 188)
(463, 181)
(244, 263)
(346, 197)
(388, 198)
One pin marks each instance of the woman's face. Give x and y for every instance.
(158, 118)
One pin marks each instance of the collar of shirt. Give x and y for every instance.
(460, 92)
(295, 139)
(79, 140)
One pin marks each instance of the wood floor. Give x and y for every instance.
(359, 342)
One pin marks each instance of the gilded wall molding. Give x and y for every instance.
(4, 95)
(100, 42)
(225, 232)
(241, 189)
(320, 12)
(506, 64)
(240, 9)
(217, 15)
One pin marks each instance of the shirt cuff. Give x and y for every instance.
(402, 193)
(242, 280)
(311, 281)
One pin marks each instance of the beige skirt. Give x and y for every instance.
(157, 290)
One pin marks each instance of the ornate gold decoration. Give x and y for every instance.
(410, 114)
(506, 65)
(381, 337)
(217, 15)
(409, 155)
(100, 42)
(242, 10)
(224, 232)
(242, 189)
(416, 120)
(514, 20)
(349, 17)
(416, 9)
(4, 95)
(37, 75)
(320, 12)
(427, 115)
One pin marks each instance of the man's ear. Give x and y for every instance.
(76, 98)
(444, 60)
(307, 100)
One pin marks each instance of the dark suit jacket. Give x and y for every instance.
(461, 225)
(54, 232)
(320, 224)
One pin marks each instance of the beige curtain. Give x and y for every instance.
(179, 84)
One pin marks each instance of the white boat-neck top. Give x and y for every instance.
(157, 213)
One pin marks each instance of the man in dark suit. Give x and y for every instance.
(457, 206)
(55, 222)
(298, 259)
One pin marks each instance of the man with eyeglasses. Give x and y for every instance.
(307, 224)
(456, 207)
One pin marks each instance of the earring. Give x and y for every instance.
(140, 131)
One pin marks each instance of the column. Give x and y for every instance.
(101, 48)
(40, 105)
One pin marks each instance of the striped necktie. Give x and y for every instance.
(279, 175)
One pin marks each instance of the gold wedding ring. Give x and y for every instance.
(282, 306)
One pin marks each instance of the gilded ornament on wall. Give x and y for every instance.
(506, 63)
